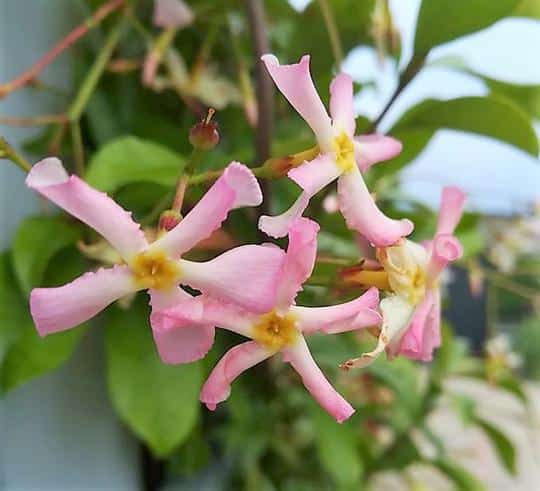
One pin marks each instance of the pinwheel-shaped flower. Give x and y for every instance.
(411, 314)
(157, 267)
(282, 327)
(343, 156)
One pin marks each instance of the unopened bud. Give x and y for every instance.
(169, 219)
(205, 135)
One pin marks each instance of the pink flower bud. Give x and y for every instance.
(169, 219)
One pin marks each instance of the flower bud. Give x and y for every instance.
(204, 135)
(169, 219)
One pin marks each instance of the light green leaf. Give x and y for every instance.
(490, 116)
(129, 159)
(30, 356)
(440, 21)
(528, 8)
(501, 444)
(159, 402)
(337, 447)
(462, 478)
(36, 241)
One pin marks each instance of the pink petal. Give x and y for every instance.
(92, 207)
(341, 103)
(362, 214)
(314, 175)
(278, 226)
(237, 360)
(316, 383)
(372, 149)
(358, 313)
(299, 260)
(295, 83)
(246, 276)
(237, 187)
(228, 316)
(451, 209)
(179, 333)
(172, 14)
(444, 249)
(58, 309)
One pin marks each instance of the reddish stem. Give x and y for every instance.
(77, 33)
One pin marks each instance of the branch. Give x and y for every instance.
(9, 153)
(29, 75)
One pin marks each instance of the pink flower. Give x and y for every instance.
(343, 155)
(411, 314)
(172, 14)
(157, 267)
(283, 326)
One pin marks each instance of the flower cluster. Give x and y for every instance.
(251, 289)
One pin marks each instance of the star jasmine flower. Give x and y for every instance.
(343, 156)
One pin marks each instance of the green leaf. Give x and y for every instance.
(36, 241)
(129, 159)
(337, 447)
(30, 356)
(440, 21)
(490, 116)
(504, 448)
(159, 402)
(528, 8)
(462, 478)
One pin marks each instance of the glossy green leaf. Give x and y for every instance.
(36, 241)
(129, 159)
(440, 21)
(30, 355)
(462, 478)
(503, 447)
(337, 448)
(490, 116)
(159, 402)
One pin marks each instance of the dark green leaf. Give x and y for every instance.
(129, 159)
(440, 21)
(36, 241)
(462, 478)
(502, 445)
(159, 402)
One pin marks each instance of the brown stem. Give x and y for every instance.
(77, 33)
(34, 120)
(264, 89)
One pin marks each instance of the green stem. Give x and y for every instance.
(9, 153)
(96, 71)
(333, 32)
(78, 147)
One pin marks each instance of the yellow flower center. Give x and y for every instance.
(154, 269)
(274, 331)
(344, 151)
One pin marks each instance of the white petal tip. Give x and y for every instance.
(47, 172)
(272, 227)
(242, 180)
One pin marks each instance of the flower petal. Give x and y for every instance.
(444, 249)
(64, 307)
(316, 383)
(352, 315)
(451, 209)
(397, 314)
(361, 212)
(278, 226)
(295, 83)
(179, 332)
(92, 207)
(237, 360)
(172, 14)
(237, 187)
(372, 149)
(228, 316)
(314, 175)
(246, 276)
(299, 260)
(341, 104)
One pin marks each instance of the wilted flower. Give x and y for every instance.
(172, 14)
(281, 328)
(158, 266)
(342, 155)
(411, 313)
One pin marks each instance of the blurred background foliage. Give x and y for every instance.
(134, 144)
